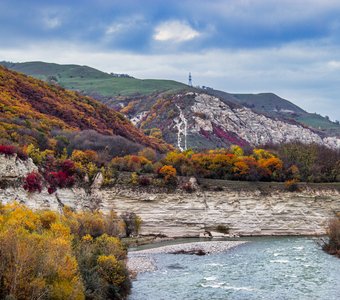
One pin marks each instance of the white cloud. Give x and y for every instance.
(124, 25)
(114, 28)
(305, 74)
(333, 64)
(176, 31)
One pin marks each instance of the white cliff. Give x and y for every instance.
(254, 128)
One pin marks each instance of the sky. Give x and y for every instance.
(288, 47)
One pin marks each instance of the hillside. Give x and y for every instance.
(201, 121)
(111, 90)
(34, 111)
(93, 82)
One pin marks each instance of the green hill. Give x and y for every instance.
(93, 82)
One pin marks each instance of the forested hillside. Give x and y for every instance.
(32, 111)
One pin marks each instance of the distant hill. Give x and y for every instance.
(34, 111)
(151, 105)
(93, 82)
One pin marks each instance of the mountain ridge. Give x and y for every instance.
(155, 110)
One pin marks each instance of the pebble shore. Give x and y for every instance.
(142, 261)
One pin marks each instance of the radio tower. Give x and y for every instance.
(189, 81)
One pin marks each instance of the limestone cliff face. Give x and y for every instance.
(183, 214)
(244, 207)
(245, 213)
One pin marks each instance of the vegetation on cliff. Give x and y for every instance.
(47, 255)
(290, 163)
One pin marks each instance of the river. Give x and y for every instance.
(265, 268)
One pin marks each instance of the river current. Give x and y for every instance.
(265, 268)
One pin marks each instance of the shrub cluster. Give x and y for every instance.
(46, 255)
(332, 246)
(63, 178)
(288, 163)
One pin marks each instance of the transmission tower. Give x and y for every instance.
(190, 80)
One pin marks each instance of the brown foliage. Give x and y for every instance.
(332, 246)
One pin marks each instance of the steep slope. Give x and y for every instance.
(272, 105)
(30, 108)
(89, 81)
(199, 120)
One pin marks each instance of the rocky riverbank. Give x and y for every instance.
(143, 261)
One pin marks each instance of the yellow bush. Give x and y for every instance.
(45, 255)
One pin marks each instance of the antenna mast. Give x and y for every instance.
(190, 80)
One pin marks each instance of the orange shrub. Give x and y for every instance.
(168, 173)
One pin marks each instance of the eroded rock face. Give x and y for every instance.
(245, 213)
(181, 214)
(204, 121)
(12, 168)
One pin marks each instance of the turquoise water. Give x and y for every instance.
(265, 268)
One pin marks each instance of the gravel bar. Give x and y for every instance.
(142, 261)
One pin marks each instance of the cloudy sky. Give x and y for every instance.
(289, 47)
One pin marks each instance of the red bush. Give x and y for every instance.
(59, 180)
(11, 150)
(51, 189)
(68, 167)
(7, 150)
(33, 182)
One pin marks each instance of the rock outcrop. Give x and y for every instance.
(254, 128)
